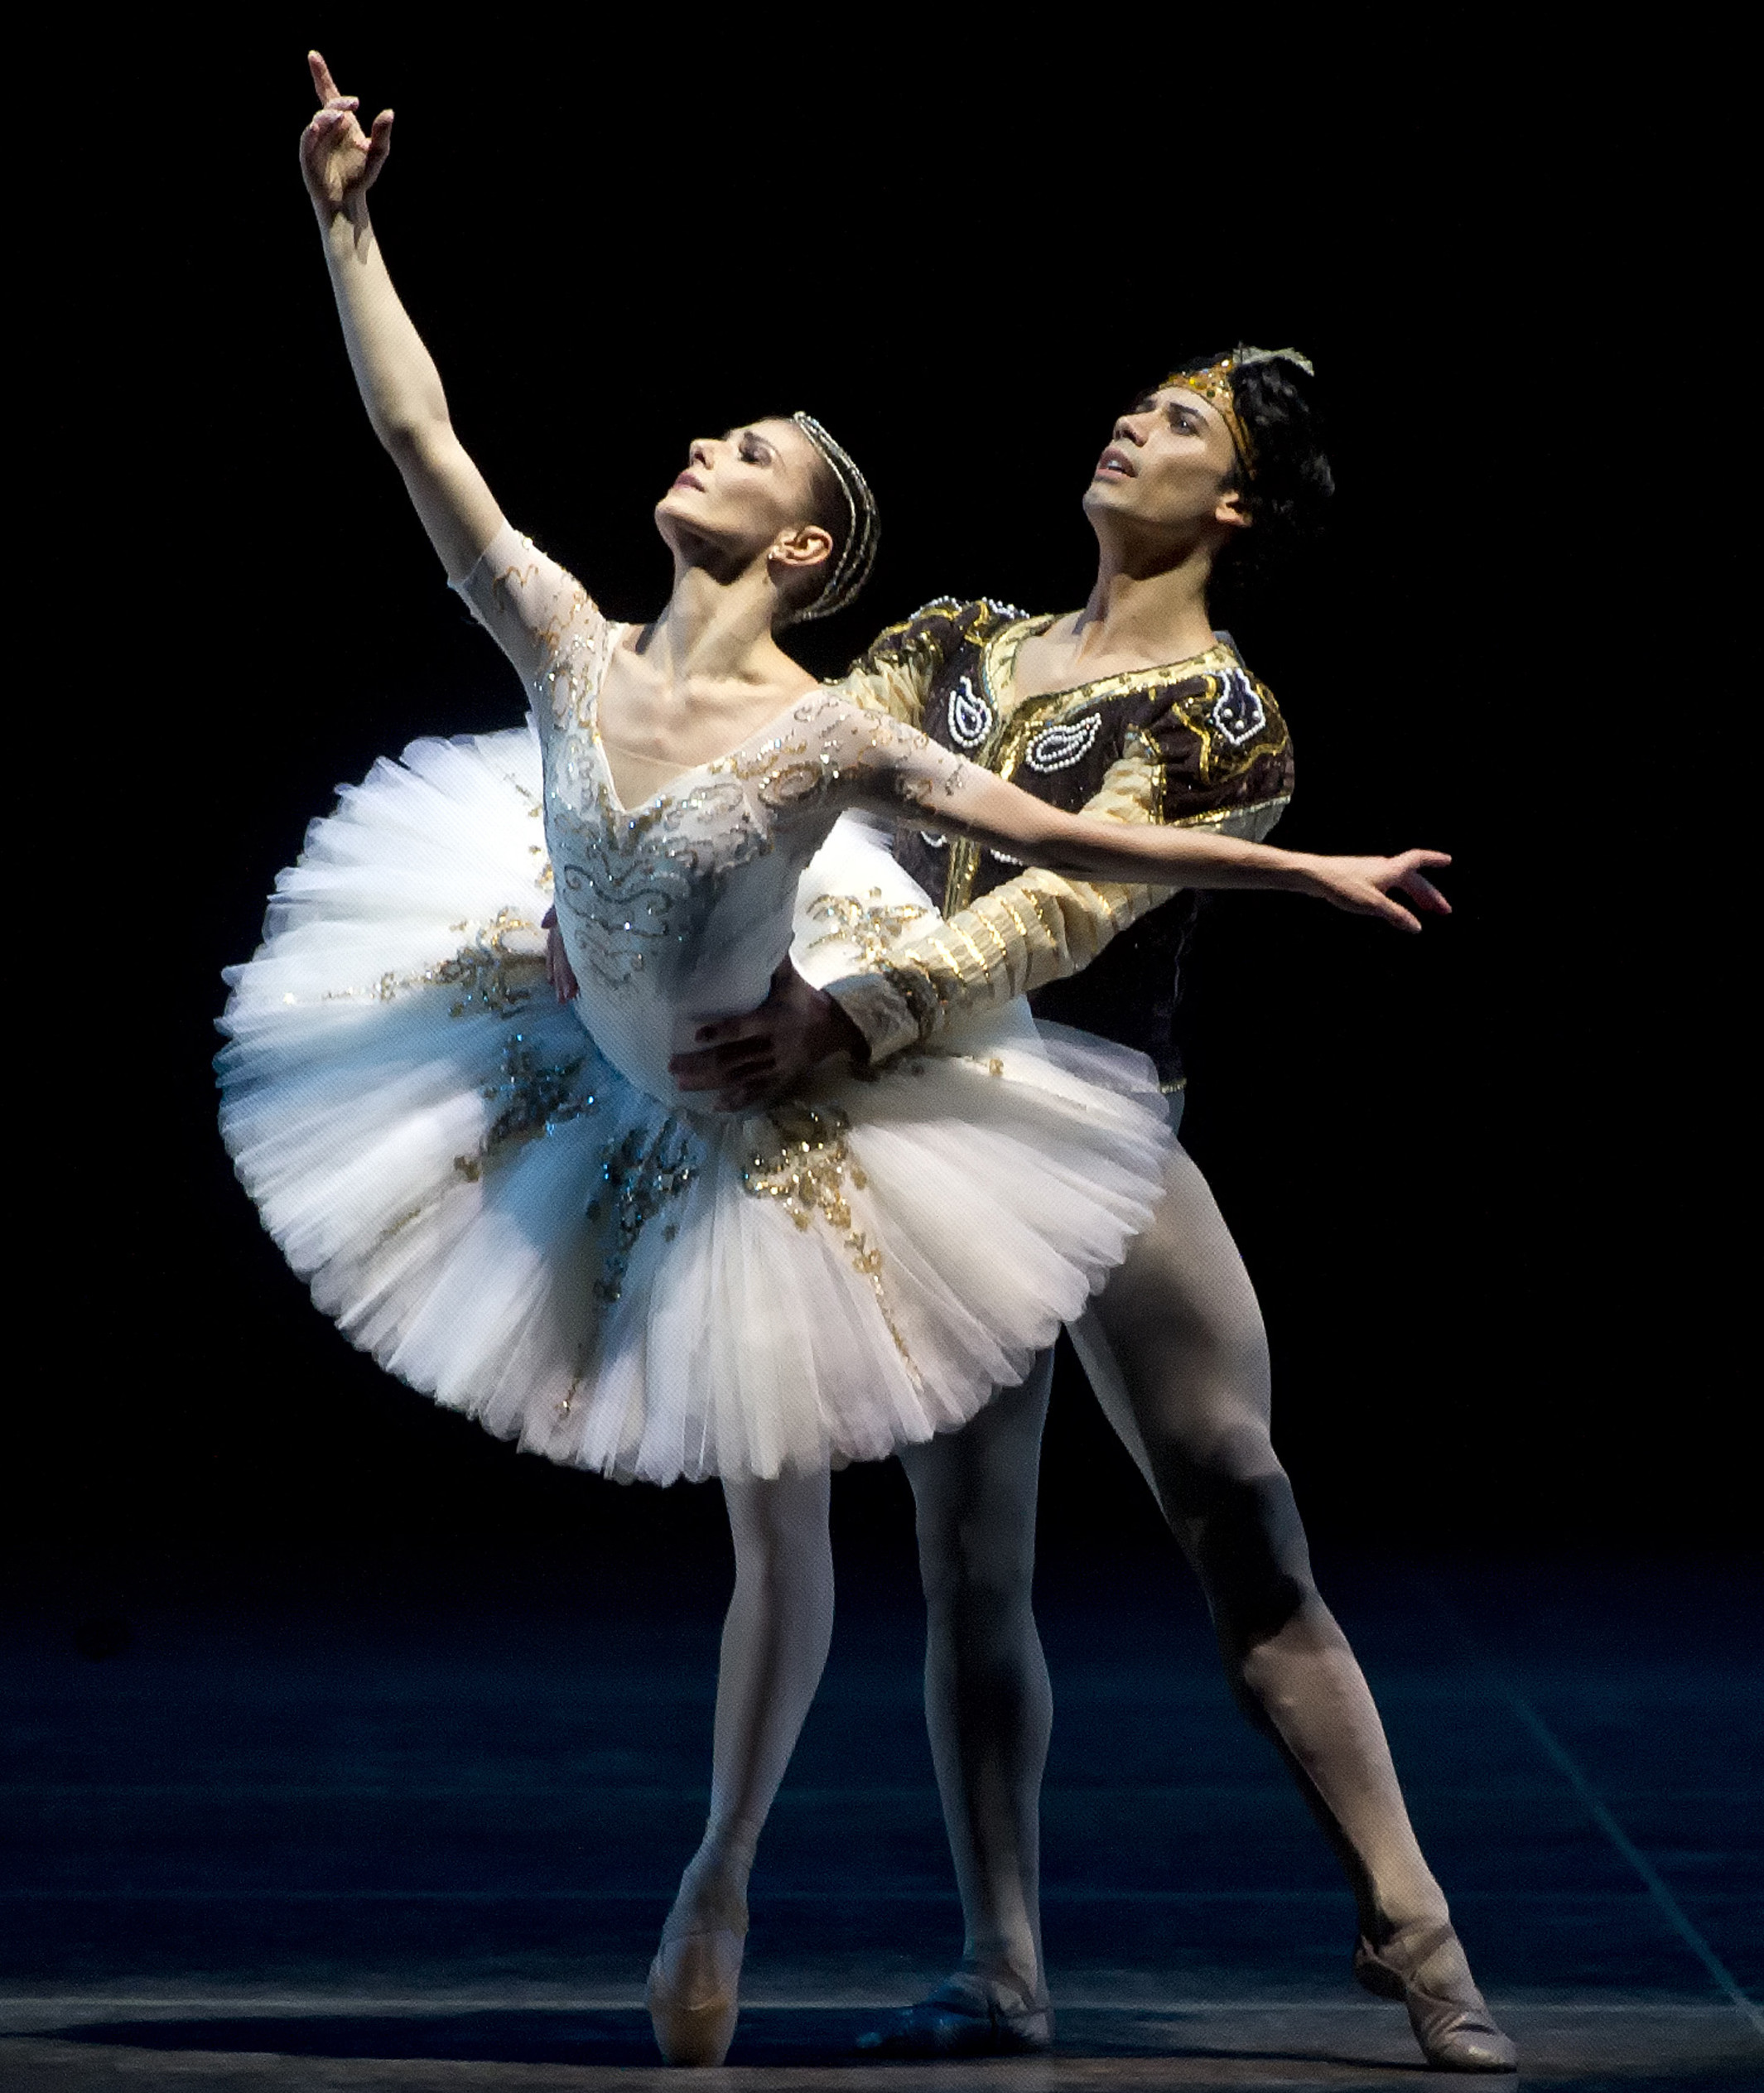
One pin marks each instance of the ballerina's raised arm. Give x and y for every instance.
(400, 386)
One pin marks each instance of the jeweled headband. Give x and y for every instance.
(1214, 386)
(860, 552)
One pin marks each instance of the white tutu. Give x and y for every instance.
(482, 1201)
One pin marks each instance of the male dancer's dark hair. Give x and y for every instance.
(1286, 483)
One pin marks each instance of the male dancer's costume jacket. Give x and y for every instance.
(1199, 743)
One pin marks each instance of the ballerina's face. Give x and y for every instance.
(1169, 465)
(751, 493)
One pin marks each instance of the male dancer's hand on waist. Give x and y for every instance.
(772, 1051)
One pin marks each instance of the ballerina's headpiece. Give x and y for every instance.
(852, 569)
(1214, 386)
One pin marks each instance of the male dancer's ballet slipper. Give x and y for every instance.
(691, 1993)
(1450, 2016)
(969, 2016)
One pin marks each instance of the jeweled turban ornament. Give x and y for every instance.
(1214, 386)
(858, 555)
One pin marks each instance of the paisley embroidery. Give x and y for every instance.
(1057, 747)
(970, 715)
(1238, 711)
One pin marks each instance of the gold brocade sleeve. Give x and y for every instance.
(897, 687)
(1037, 928)
(896, 672)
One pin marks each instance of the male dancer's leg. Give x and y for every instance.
(1176, 1352)
(775, 1640)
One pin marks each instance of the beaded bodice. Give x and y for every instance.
(680, 908)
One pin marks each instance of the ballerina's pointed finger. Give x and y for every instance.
(323, 85)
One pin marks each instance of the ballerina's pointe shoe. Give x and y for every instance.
(691, 1994)
(969, 2016)
(1450, 2016)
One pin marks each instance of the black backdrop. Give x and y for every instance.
(1471, 1172)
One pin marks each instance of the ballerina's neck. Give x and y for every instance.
(654, 725)
(715, 627)
(638, 777)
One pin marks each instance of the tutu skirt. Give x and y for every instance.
(483, 1204)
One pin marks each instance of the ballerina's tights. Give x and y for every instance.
(774, 1646)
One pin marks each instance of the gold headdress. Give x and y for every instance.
(858, 555)
(1214, 386)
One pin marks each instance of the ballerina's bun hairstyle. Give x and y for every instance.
(1282, 473)
(845, 510)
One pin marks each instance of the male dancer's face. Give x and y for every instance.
(1166, 469)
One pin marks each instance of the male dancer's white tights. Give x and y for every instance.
(1176, 1351)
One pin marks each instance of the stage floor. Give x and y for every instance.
(412, 1835)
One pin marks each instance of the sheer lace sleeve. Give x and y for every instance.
(544, 620)
(842, 754)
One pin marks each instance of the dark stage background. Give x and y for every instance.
(1470, 1171)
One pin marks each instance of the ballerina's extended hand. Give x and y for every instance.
(1367, 886)
(339, 160)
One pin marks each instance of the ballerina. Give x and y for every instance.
(520, 1212)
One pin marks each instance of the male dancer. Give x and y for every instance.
(1132, 707)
